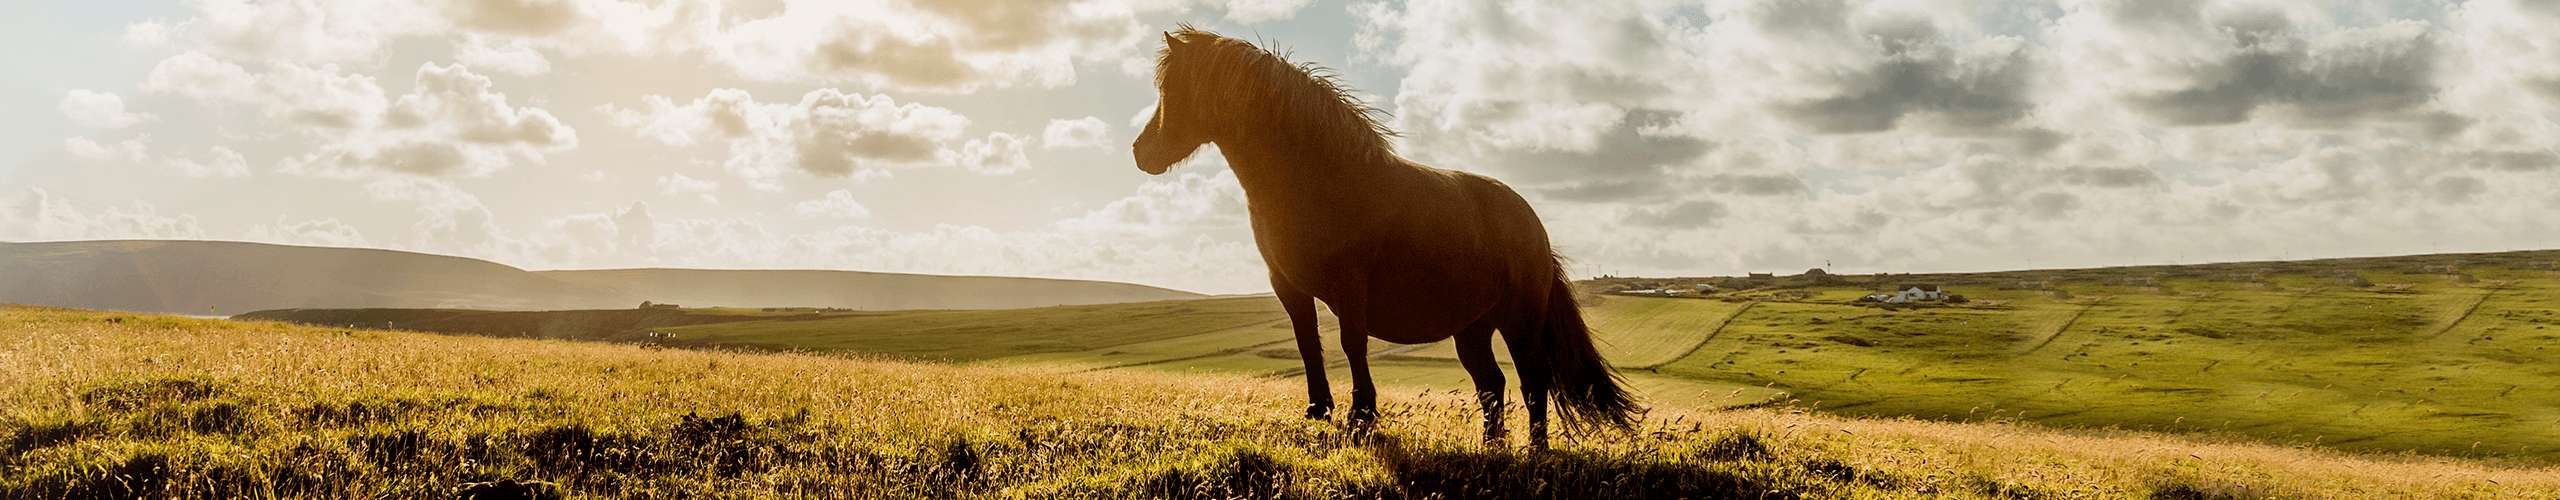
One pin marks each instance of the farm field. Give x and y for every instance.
(122, 405)
(2453, 356)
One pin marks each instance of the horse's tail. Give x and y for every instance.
(1587, 392)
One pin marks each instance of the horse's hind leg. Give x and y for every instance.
(1355, 347)
(1475, 352)
(1364, 392)
(1534, 382)
(1302, 319)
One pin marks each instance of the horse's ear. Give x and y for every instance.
(1170, 41)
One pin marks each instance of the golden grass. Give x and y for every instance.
(110, 404)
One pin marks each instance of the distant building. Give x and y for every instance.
(1916, 293)
(1704, 288)
(1763, 276)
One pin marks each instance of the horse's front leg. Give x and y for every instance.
(1302, 319)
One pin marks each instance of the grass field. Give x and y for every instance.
(122, 405)
(2442, 355)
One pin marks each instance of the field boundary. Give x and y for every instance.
(1212, 354)
(2466, 311)
(1702, 343)
(2066, 327)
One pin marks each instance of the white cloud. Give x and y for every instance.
(1256, 11)
(997, 154)
(103, 110)
(218, 162)
(448, 218)
(125, 151)
(302, 30)
(453, 122)
(950, 45)
(828, 133)
(320, 232)
(33, 214)
(837, 204)
(512, 57)
(1087, 132)
(680, 185)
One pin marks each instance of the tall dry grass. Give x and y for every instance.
(103, 404)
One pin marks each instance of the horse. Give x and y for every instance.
(1400, 251)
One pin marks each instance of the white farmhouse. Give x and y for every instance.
(1915, 293)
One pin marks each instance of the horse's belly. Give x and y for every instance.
(1418, 320)
(1425, 302)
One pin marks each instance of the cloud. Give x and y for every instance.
(680, 185)
(1087, 132)
(101, 110)
(828, 133)
(448, 219)
(1756, 184)
(837, 204)
(1681, 215)
(322, 232)
(452, 122)
(2111, 177)
(1257, 11)
(516, 17)
(302, 31)
(997, 154)
(34, 214)
(218, 161)
(1928, 135)
(512, 57)
(125, 151)
(940, 46)
(2197, 63)
(1913, 70)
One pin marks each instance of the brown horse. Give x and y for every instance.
(1403, 252)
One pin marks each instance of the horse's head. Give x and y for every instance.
(1183, 120)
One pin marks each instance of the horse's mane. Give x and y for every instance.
(1307, 96)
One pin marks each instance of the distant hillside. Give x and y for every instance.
(861, 290)
(213, 277)
(222, 278)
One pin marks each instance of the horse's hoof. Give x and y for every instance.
(1364, 416)
(1319, 412)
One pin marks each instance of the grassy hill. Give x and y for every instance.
(2441, 355)
(123, 405)
(223, 278)
(860, 290)
(209, 277)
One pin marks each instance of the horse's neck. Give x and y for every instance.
(1278, 171)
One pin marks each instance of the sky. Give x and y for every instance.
(991, 136)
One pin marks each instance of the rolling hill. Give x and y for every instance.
(119, 405)
(223, 278)
(2452, 355)
(860, 290)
